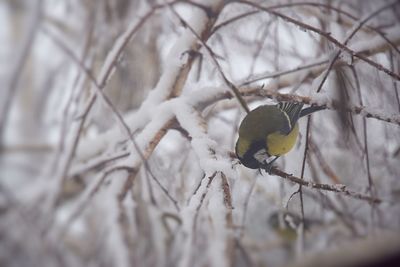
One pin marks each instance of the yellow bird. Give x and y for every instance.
(269, 130)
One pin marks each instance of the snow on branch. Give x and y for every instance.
(169, 85)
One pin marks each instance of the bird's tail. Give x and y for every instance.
(309, 110)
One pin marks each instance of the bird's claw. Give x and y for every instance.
(267, 167)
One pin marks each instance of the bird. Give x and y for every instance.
(285, 224)
(269, 131)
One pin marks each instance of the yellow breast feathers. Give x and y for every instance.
(279, 144)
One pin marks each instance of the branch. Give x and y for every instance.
(331, 105)
(26, 46)
(327, 36)
(171, 82)
(338, 188)
(234, 89)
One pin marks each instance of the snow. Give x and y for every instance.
(218, 248)
(102, 205)
(115, 238)
(162, 90)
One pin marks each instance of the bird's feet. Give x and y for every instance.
(267, 166)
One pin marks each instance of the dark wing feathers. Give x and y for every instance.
(309, 110)
(292, 110)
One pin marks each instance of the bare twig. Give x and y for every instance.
(329, 37)
(74, 95)
(371, 186)
(348, 38)
(277, 74)
(322, 162)
(97, 163)
(26, 46)
(395, 87)
(88, 195)
(338, 188)
(300, 4)
(303, 168)
(246, 205)
(325, 201)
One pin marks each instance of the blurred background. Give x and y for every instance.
(118, 123)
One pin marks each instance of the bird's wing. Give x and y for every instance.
(309, 110)
(292, 112)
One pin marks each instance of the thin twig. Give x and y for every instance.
(118, 117)
(346, 41)
(329, 37)
(234, 89)
(313, 4)
(26, 47)
(326, 201)
(97, 163)
(395, 88)
(88, 195)
(338, 188)
(332, 105)
(74, 94)
(100, 83)
(202, 197)
(285, 72)
(371, 186)
(322, 162)
(246, 205)
(303, 167)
